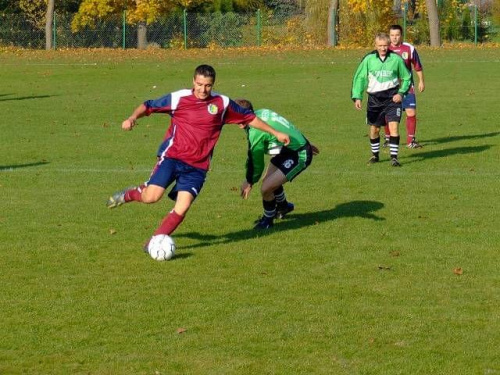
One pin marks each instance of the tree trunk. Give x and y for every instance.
(49, 20)
(432, 13)
(142, 40)
(333, 16)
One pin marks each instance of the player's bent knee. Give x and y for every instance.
(151, 196)
(150, 200)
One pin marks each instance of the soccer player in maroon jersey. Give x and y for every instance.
(409, 54)
(197, 116)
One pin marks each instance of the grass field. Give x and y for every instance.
(363, 278)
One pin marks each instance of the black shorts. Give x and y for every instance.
(291, 162)
(379, 113)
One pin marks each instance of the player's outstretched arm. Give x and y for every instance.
(139, 112)
(257, 123)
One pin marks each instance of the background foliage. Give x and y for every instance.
(233, 22)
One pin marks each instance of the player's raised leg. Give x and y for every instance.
(124, 196)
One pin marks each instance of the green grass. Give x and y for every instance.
(358, 280)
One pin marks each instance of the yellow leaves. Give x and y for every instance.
(91, 10)
(34, 11)
(146, 11)
(185, 3)
(364, 6)
(363, 19)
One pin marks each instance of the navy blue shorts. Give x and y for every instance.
(186, 177)
(410, 101)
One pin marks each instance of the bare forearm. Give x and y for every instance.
(420, 75)
(130, 122)
(138, 112)
(257, 123)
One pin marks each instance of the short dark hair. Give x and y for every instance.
(205, 71)
(396, 27)
(244, 104)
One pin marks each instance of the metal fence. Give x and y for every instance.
(180, 30)
(202, 30)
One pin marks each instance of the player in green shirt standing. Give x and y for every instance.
(386, 79)
(287, 162)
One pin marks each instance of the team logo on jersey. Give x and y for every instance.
(212, 109)
(404, 55)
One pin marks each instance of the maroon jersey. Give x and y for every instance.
(409, 55)
(196, 124)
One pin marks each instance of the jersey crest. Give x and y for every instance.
(212, 109)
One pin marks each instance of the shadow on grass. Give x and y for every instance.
(422, 155)
(24, 97)
(460, 138)
(363, 209)
(4, 168)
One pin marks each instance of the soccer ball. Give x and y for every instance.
(161, 247)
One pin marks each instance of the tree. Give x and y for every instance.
(333, 11)
(495, 11)
(138, 12)
(432, 14)
(34, 11)
(49, 21)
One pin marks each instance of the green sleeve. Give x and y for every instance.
(256, 151)
(405, 76)
(360, 80)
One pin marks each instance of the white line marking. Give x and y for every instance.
(143, 170)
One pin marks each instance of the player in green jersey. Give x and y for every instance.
(386, 79)
(287, 162)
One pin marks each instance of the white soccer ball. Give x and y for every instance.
(161, 247)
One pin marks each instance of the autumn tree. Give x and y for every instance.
(34, 11)
(138, 12)
(40, 13)
(495, 11)
(49, 21)
(333, 11)
(432, 14)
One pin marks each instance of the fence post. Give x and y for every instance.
(124, 31)
(405, 10)
(334, 28)
(259, 28)
(54, 33)
(475, 25)
(184, 14)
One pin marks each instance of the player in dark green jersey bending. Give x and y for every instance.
(386, 79)
(286, 163)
